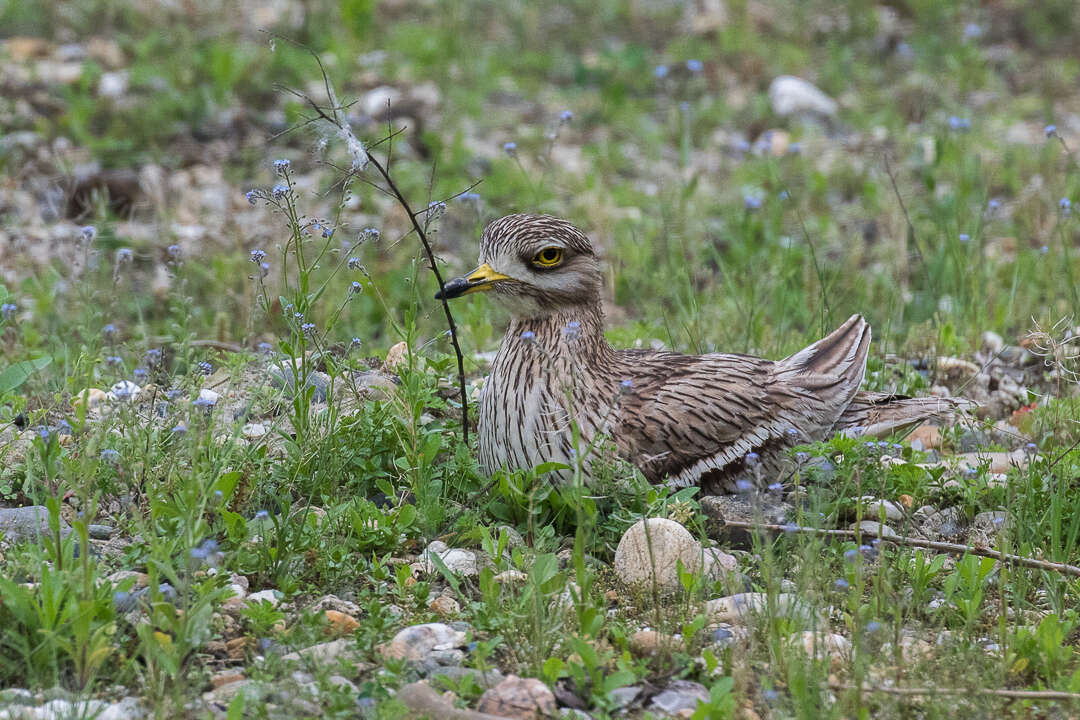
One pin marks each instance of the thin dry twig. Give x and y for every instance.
(384, 171)
(907, 218)
(930, 691)
(953, 548)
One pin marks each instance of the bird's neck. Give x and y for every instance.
(574, 333)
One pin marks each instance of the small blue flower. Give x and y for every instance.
(660, 72)
(210, 545)
(355, 288)
(959, 123)
(252, 196)
(307, 328)
(1066, 205)
(1031, 448)
(7, 310)
(43, 433)
(264, 269)
(741, 145)
(993, 205)
(1044, 249)
(752, 202)
(435, 210)
(257, 256)
(473, 197)
(841, 584)
(281, 166)
(180, 429)
(88, 233)
(870, 445)
(792, 433)
(963, 237)
(327, 233)
(262, 515)
(566, 116)
(204, 402)
(219, 495)
(572, 331)
(626, 386)
(801, 457)
(279, 191)
(370, 234)
(972, 31)
(794, 148)
(791, 528)
(114, 360)
(174, 251)
(784, 195)
(776, 487)
(110, 455)
(153, 357)
(695, 66)
(354, 263)
(528, 336)
(510, 148)
(770, 696)
(355, 342)
(873, 627)
(198, 553)
(850, 555)
(140, 373)
(751, 459)
(264, 347)
(205, 368)
(743, 485)
(1050, 130)
(124, 255)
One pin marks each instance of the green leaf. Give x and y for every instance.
(15, 375)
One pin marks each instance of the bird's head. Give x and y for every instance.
(535, 264)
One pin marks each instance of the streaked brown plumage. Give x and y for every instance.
(681, 419)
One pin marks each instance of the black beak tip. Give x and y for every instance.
(452, 289)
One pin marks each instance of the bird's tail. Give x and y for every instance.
(881, 414)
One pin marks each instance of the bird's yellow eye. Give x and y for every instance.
(548, 257)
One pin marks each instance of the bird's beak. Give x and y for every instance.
(481, 279)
